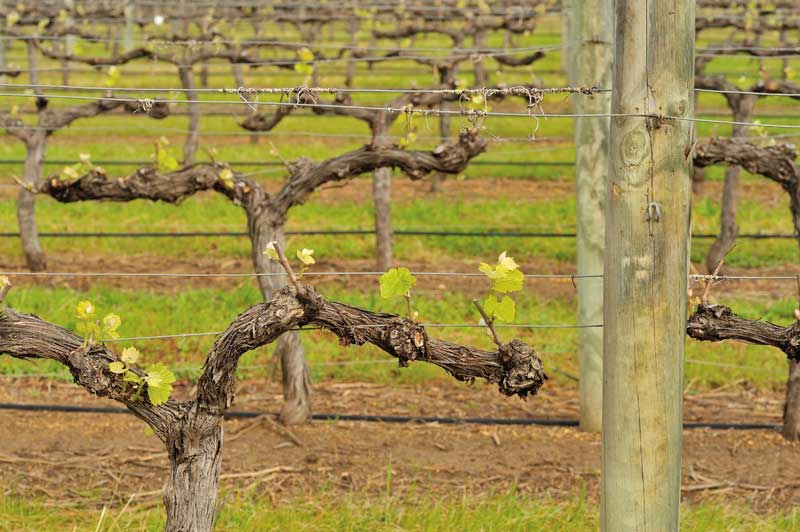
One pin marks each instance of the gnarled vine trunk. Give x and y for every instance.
(265, 227)
(186, 73)
(35, 148)
(729, 229)
(195, 456)
(791, 410)
(192, 430)
(266, 213)
(382, 200)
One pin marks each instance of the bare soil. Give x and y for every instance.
(70, 458)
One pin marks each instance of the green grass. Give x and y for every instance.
(212, 212)
(327, 512)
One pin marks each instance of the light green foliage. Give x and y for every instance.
(92, 329)
(505, 278)
(114, 74)
(158, 377)
(164, 156)
(159, 381)
(306, 257)
(96, 330)
(271, 252)
(304, 56)
(11, 19)
(226, 176)
(73, 172)
(501, 309)
(130, 355)
(396, 282)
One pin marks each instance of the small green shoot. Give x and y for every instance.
(165, 160)
(226, 177)
(505, 278)
(158, 377)
(93, 329)
(304, 57)
(305, 256)
(398, 282)
(73, 172)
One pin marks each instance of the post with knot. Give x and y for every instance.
(646, 265)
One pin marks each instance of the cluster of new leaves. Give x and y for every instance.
(94, 329)
(304, 63)
(226, 177)
(72, 172)
(506, 278)
(305, 256)
(113, 76)
(165, 158)
(158, 377)
(398, 282)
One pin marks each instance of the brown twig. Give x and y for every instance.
(489, 323)
(710, 282)
(407, 297)
(288, 267)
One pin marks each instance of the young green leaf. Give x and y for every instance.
(396, 282)
(510, 282)
(500, 309)
(507, 262)
(12, 18)
(306, 256)
(113, 76)
(111, 323)
(226, 176)
(117, 367)
(304, 55)
(69, 174)
(159, 383)
(271, 252)
(85, 310)
(132, 377)
(130, 355)
(492, 272)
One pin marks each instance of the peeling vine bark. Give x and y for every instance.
(192, 431)
(714, 323)
(776, 163)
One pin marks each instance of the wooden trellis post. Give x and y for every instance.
(592, 35)
(647, 232)
(128, 34)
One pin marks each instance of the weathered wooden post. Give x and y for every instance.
(645, 295)
(128, 34)
(592, 35)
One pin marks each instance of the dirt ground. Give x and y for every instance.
(71, 459)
